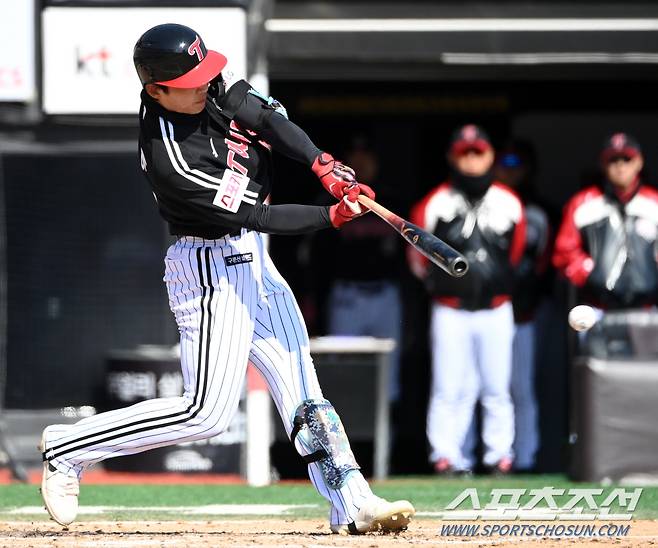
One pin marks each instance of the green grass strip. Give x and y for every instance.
(428, 494)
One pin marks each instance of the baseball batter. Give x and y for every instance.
(205, 151)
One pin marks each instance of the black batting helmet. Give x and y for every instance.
(174, 55)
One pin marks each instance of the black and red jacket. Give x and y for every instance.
(607, 246)
(489, 231)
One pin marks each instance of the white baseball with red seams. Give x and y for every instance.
(582, 317)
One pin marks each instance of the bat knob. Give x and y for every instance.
(459, 267)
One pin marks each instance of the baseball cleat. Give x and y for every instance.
(443, 466)
(378, 515)
(503, 467)
(59, 491)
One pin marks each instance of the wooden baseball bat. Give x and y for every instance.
(435, 249)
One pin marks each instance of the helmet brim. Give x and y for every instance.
(213, 63)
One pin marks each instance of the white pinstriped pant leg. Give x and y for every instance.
(214, 305)
(280, 351)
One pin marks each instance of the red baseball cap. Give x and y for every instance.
(469, 137)
(207, 69)
(620, 144)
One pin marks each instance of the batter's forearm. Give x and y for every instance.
(288, 218)
(288, 138)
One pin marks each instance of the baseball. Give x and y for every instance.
(582, 317)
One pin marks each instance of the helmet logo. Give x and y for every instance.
(618, 141)
(195, 48)
(469, 132)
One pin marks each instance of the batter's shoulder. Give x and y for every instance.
(230, 102)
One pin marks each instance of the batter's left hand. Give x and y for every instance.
(337, 178)
(347, 209)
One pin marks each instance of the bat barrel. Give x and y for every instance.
(435, 249)
(453, 262)
(458, 267)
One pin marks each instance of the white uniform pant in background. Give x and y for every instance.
(471, 359)
(369, 309)
(232, 306)
(526, 433)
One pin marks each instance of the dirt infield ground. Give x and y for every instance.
(284, 532)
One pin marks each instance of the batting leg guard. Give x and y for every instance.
(326, 435)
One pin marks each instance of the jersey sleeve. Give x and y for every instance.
(288, 218)
(518, 243)
(222, 197)
(569, 257)
(266, 118)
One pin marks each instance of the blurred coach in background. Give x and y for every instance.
(606, 245)
(472, 325)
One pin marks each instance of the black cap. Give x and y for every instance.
(620, 144)
(174, 55)
(469, 137)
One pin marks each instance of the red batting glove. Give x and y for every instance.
(347, 209)
(365, 190)
(336, 177)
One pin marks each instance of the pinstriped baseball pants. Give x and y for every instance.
(232, 307)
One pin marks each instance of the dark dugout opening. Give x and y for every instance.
(408, 125)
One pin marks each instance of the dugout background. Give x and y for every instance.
(84, 248)
(408, 124)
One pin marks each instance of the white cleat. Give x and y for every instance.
(378, 515)
(59, 491)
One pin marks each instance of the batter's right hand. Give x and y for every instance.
(347, 209)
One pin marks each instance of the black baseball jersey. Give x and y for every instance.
(211, 172)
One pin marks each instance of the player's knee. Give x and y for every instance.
(456, 399)
(496, 398)
(212, 423)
